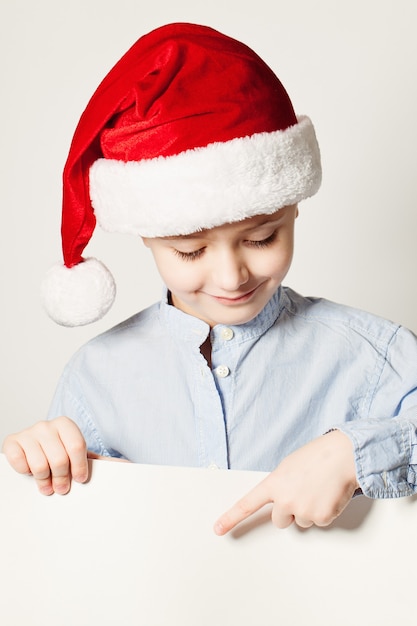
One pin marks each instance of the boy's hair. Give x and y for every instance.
(188, 131)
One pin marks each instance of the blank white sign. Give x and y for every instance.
(135, 546)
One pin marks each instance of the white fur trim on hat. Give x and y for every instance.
(78, 295)
(206, 187)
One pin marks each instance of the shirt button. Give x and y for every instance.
(227, 334)
(213, 466)
(222, 371)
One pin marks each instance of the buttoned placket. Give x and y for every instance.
(224, 358)
(216, 388)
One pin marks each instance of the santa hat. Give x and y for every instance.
(188, 131)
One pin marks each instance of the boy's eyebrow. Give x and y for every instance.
(266, 222)
(196, 235)
(201, 233)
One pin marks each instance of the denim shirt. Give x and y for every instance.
(143, 390)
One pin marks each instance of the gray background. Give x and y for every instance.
(350, 66)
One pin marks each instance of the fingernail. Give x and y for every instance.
(81, 478)
(61, 489)
(218, 528)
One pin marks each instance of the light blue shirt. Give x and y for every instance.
(143, 390)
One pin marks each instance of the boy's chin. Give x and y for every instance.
(234, 320)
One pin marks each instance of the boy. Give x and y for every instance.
(192, 143)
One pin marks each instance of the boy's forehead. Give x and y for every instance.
(247, 224)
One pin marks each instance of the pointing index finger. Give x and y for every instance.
(243, 508)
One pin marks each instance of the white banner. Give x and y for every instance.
(135, 545)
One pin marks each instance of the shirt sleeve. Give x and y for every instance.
(68, 401)
(385, 442)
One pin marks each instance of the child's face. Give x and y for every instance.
(226, 275)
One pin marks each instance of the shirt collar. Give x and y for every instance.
(194, 331)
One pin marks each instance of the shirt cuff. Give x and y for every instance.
(385, 455)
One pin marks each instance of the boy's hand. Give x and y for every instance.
(311, 486)
(53, 452)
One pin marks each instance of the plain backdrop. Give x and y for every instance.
(350, 66)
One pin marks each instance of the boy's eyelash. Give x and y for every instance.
(189, 256)
(195, 254)
(264, 242)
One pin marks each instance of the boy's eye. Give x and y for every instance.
(262, 243)
(189, 256)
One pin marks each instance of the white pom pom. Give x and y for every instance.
(78, 295)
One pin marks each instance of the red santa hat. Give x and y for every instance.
(188, 131)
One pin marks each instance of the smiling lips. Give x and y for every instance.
(238, 300)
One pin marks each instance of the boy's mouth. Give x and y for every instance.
(236, 299)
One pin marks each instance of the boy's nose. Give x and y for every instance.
(230, 271)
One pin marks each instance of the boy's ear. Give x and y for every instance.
(145, 241)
